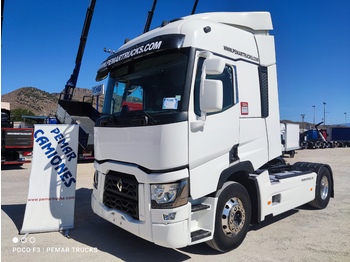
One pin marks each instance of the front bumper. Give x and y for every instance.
(171, 234)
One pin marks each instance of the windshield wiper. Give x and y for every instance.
(149, 117)
(106, 120)
(132, 118)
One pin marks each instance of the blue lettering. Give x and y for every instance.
(59, 136)
(49, 149)
(68, 174)
(52, 154)
(62, 168)
(63, 142)
(42, 140)
(69, 183)
(55, 131)
(67, 150)
(37, 133)
(56, 160)
(71, 156)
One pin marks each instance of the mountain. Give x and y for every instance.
(41, 103)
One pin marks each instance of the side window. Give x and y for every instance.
(227, 77)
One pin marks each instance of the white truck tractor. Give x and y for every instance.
(187, 145)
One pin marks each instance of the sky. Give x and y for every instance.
(40, 39)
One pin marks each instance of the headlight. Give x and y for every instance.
(169, 195)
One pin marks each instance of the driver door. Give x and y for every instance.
(212, 139)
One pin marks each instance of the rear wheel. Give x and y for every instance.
(232, 218)
(323, 189)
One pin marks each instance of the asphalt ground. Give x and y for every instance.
(302, 234)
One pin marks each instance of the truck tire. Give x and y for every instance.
(323, 189)
(232, 219)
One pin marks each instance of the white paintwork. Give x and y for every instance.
(254, 20)
(153, 147)
(294, 191)
(201, 146)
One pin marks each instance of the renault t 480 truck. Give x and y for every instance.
(196, 157)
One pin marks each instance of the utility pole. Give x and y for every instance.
(314, 113)
(346, 119)
(302, 120)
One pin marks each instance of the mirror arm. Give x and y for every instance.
(198, 124)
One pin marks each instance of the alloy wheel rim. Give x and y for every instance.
(233, 217)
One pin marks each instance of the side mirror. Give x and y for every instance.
(212, 96)
(213, 66)
(211, 91)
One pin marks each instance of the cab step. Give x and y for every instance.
(199, 207)
(199, 234)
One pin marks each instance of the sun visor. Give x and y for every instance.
(150, 46)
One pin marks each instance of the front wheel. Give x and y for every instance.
(232, 217)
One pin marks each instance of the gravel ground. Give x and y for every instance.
(302, 234)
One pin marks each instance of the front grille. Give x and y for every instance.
(121, 193)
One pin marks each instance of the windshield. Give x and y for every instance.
(150, 90)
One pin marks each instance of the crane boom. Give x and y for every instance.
(149, 17)
(72, 81)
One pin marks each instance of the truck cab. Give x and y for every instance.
(189, 119)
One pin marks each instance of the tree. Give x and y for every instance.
(17, 113)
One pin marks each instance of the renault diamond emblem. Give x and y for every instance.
(120, 184)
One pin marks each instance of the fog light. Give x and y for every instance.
(170, 216)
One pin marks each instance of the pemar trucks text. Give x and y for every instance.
(198, 159)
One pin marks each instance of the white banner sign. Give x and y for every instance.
(52, 183)
(97, 90)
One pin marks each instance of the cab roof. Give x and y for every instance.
(256, 21)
